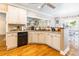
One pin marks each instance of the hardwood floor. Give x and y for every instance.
(2, 42)
(31, 50)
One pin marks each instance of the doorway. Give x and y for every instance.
(2, 31)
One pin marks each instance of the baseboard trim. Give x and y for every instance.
(65, 51)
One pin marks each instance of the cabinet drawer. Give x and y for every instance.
(12, 34)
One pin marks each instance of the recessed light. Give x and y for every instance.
(39, 7)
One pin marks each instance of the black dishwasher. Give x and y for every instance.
(22, 38)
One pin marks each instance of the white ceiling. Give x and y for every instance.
(45, 9)
(60, 10)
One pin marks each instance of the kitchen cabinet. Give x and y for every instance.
(53, 39)
(11, 40)
(49, 39)
(35, 37)
(12, 15)
(29, 37)
(32, 37)
(22, 16)
(3, 8)
(41, 37)
(56, 41)
(16, 15)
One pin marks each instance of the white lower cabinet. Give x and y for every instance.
(51, 39)
(41, 37)
(48, 39)
(32, 37)
(35, 37)
(56, 43)
(11, 40)
(29, 37)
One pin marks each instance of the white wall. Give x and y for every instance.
(2, 24)
(68, 9)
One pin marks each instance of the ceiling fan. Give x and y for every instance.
(48, 4)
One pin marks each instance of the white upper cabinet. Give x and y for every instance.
(22, 16)
(16, 15)
(12, 14)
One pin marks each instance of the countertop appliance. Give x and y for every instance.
(53, 29)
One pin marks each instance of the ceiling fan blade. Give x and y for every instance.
(43, 5)
(50, 5)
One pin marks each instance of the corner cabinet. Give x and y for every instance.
(16, 15)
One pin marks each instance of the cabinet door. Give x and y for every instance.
(29, 37)
(22, 16)
(41, 37)
(34, 37)
(3, 7)
(56, 42)
(11, 41)
(49, 39)
(12, 14)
